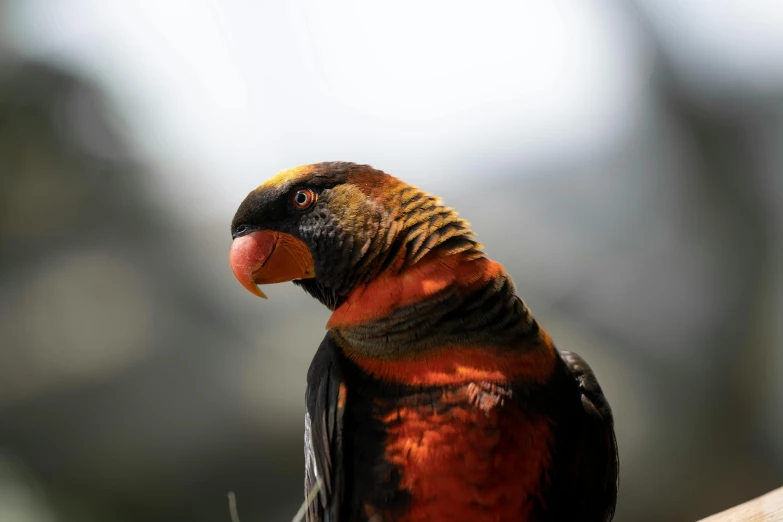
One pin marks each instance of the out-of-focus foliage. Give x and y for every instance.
(138, 381)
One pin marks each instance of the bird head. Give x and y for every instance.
(331, 227)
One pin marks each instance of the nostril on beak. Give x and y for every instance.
(240, 231)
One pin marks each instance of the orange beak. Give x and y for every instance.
(266, 257)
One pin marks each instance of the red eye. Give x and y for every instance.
(303, 198)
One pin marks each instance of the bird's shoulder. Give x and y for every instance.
(585, 465)
(325, 400)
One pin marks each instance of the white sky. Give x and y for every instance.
(221, 95)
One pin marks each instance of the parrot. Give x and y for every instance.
(435, 394)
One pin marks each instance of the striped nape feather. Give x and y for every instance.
(415, 224)
(428, 224)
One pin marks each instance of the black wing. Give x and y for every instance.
(593, 465)
(325, 405)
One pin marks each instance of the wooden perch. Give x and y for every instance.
(768, 508)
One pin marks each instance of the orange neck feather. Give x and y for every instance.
(395, 289)
(461, 365)
(449, 364)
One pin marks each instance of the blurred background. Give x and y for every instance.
(623, 160)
